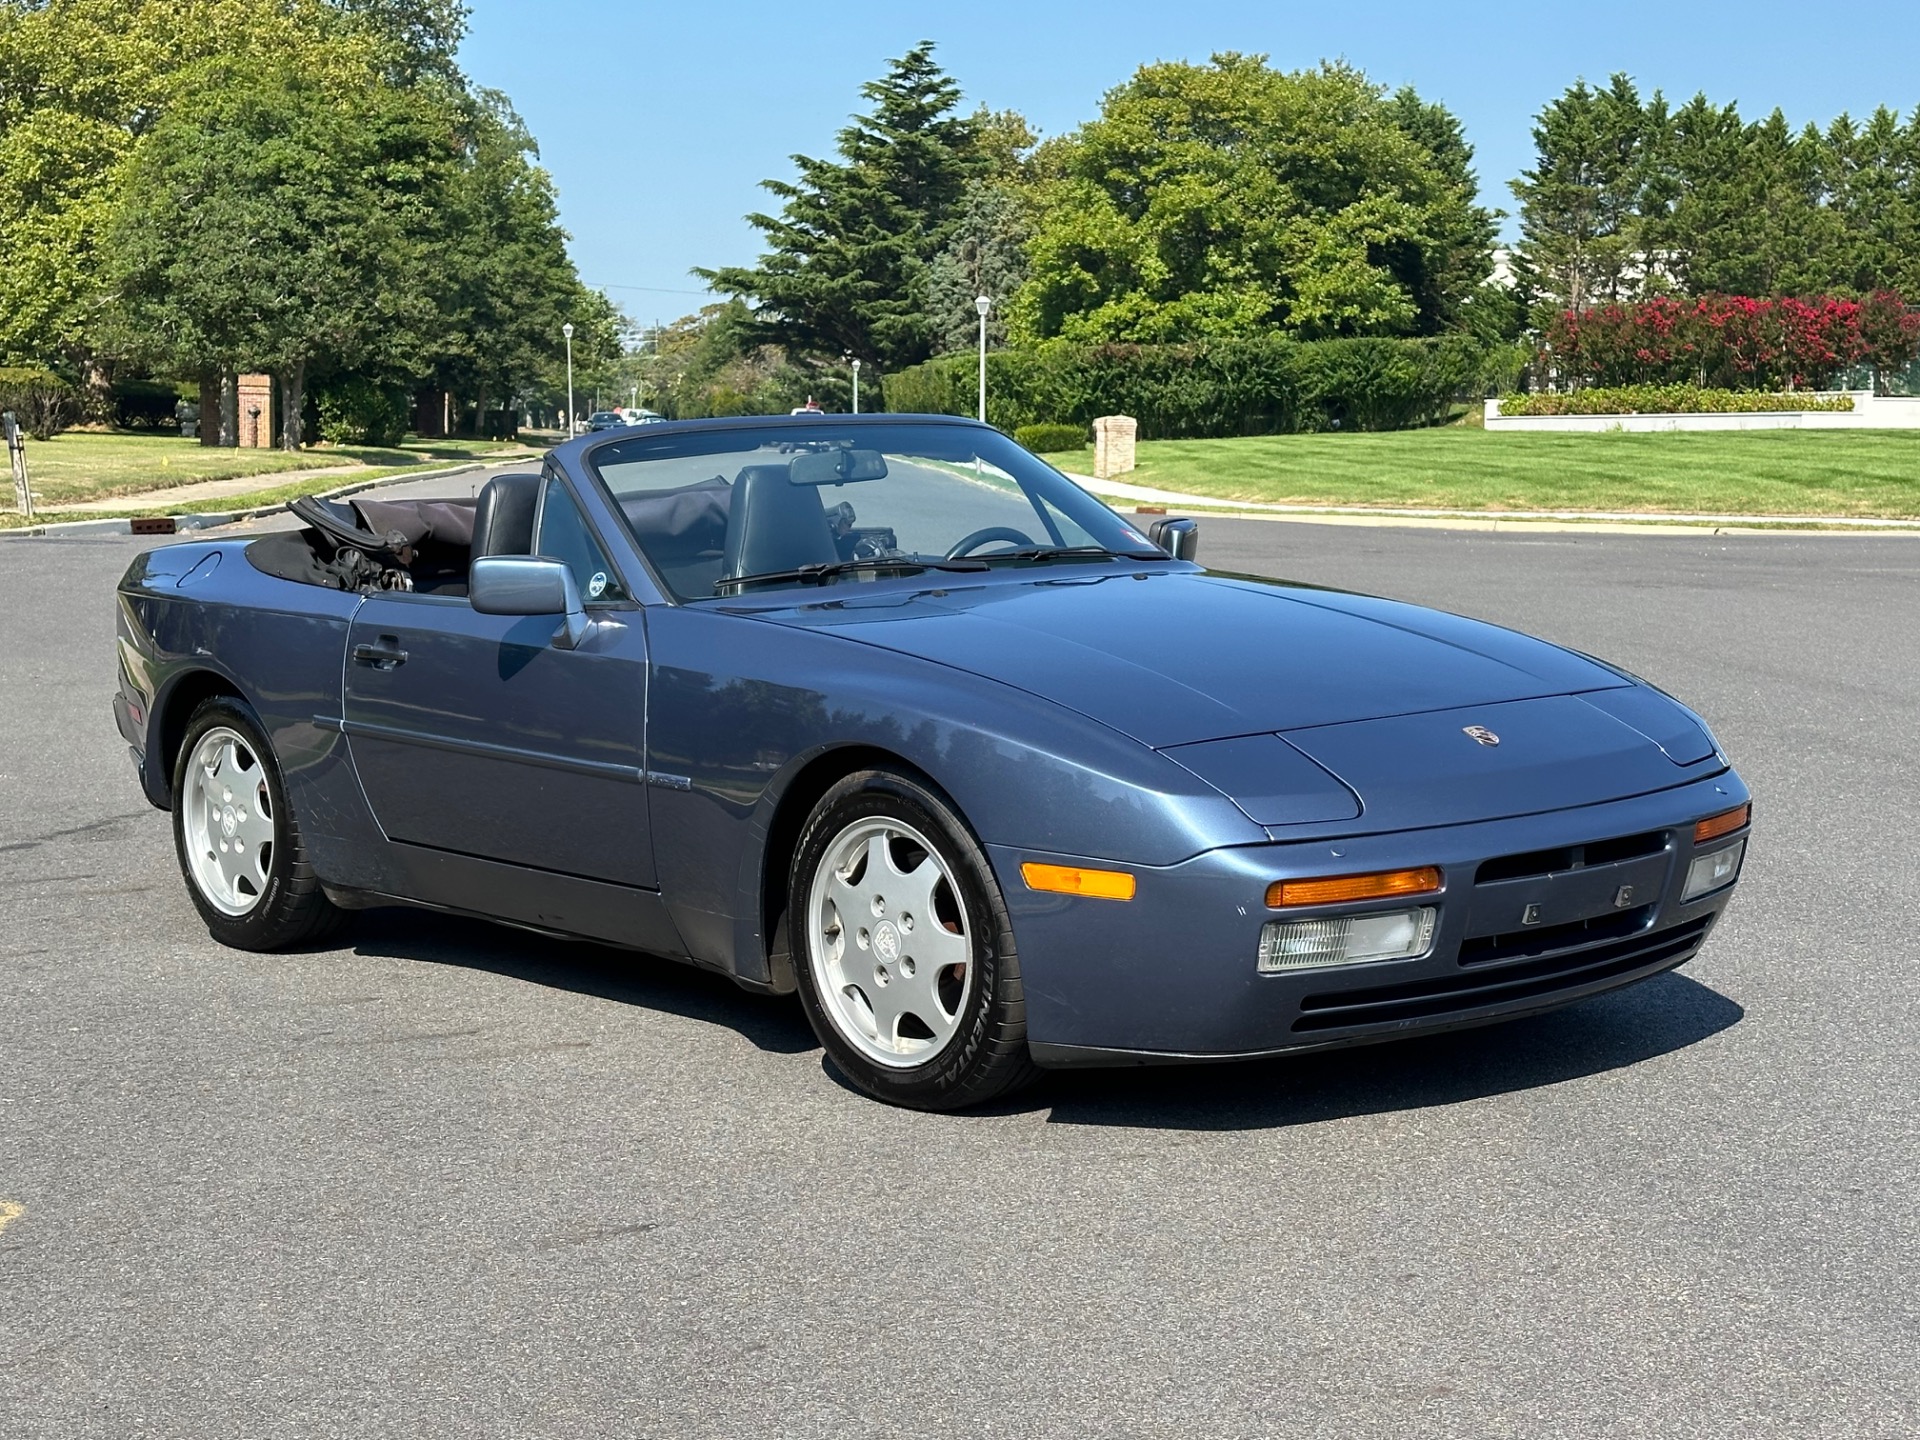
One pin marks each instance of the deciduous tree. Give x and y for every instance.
(1232, 199)
(271, 221)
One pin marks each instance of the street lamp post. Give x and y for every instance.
(983, 304)
(856, 386)
(567, 330)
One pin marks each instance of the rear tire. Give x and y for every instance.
(903, 948)
(238, 845)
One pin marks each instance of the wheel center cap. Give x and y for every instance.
(228, 824)
(886, 941)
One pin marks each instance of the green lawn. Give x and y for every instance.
(86, 465)
(1768, 472)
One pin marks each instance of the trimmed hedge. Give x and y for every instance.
(1266, 386)
(147, 404)
(40, 400)
(357, 411)
(1049, 439)
(1669, 400)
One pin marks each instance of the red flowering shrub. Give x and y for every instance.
(1732, 342)
(1889, 331)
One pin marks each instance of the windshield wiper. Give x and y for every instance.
(1073, 552)
(832, 570)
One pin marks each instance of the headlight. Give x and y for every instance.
(1349, 940)
(1714, 870)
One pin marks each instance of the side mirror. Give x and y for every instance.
(1177, 535)
(529, 585)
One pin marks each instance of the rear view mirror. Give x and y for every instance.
(528, 585)
(1177, 535)
(836, 467)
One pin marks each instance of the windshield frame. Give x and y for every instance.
(1128, 540)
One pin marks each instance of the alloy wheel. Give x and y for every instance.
(891, 955)
(227, 817)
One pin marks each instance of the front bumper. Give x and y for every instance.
(1171, 975)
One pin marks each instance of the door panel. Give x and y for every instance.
(473, 734)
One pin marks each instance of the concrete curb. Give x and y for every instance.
(1603, 522)
(212, 519)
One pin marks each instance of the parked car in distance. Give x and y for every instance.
(604, 420)
(885, 711)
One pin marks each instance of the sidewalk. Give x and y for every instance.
(1627, 521)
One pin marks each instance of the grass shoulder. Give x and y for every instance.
(81, 466)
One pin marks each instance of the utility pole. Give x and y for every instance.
(17, 453)
(567, 330)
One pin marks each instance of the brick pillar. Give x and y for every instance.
(256, 412)
(1113, 437)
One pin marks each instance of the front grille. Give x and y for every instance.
(1473, 990)
(1523, 944)
(1563, 858)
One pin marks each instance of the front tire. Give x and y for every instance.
(906, 962)
(238, 846)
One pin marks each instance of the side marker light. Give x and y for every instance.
(1078, 880)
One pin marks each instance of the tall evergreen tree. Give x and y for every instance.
(846, 261)
(987, 256)
(1867, 177)
(1742, 211)
(1582, 242)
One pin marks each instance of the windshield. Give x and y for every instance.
(721, 512)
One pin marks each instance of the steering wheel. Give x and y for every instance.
(978, 538)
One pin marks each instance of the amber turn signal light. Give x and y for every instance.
(1725, 823)
(1077, 880)
(1381, 885)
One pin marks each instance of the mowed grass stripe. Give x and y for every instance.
(1778, 472)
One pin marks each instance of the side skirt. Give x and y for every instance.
(537, 900)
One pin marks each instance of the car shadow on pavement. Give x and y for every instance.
(1610, 1032)
(628, 977)
(1657, 1017)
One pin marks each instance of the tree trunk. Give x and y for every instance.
(209, 407)
(293, 394)
(99, 391)
(230, 410)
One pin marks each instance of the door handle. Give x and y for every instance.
(386, 655)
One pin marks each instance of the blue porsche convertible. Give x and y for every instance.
(886, 711)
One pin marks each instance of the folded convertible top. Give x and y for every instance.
(420, 522)
(384, 544)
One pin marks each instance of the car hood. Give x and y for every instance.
(1175, 657)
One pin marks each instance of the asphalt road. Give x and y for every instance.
(448, 1180)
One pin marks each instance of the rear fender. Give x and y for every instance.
(199, 619)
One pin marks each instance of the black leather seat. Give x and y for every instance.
(503, 517)
(774, 524)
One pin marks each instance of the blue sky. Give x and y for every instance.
(659, 121)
